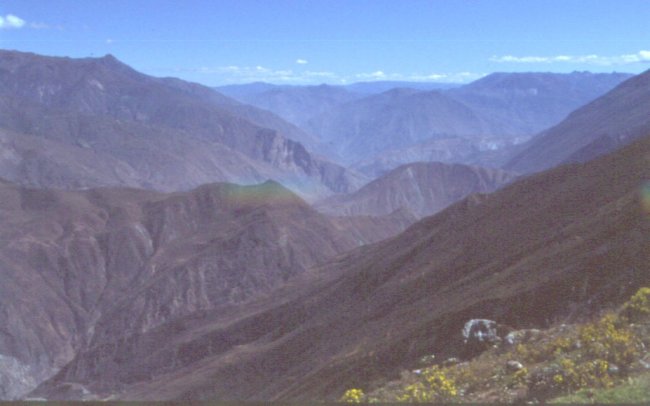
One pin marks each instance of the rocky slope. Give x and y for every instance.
(164, 134)
(555, 246)
(616, 118)
(69, 259)
(423, 188)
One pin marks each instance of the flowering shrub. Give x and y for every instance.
(574, 375)
(437, 387)
(353, 396)
(611, 340)
(520, 377)
(639, 304)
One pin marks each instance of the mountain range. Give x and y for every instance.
(160, 240)
(491, 113)
(163, 134)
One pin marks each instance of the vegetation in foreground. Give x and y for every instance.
(604, 360)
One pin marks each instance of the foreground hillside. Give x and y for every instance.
(140, 258)
(560, 245)
(603, 360)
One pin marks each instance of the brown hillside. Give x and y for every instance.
(556, 246)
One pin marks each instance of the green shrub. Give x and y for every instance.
(536, 352)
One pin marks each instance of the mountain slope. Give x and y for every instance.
(172, 135)
(495, 111)
(422, 188)
(297, 104)
(69, 259)
(556, 246)
(395, 119)
(606, 123)
(526, 103)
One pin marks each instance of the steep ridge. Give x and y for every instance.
(422, 188)
(555, 246)
(172, 135)
(616, 118)
(69, 259)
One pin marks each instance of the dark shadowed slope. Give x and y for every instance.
(422, 188)
(608, 122)
(555, 246)
(167, 134)
(68, 259)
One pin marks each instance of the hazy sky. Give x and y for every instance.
(336, 41)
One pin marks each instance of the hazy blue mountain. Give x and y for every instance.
(381, 86)
(526, 103)
(296, 104)
(496, 111)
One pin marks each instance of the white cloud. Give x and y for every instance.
(302, 61)
(376, 75)
(11, 21)
(232, 74)
(592, 59)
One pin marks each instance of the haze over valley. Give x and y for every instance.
(261, 206)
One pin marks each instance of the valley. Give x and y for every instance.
(163, 240)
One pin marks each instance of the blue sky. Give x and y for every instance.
(218, 42)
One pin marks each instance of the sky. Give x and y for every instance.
(219, 42)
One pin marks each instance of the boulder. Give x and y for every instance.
(479, 335)
(514, 366)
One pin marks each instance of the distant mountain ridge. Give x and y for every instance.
(499, 110)
(526, 103)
